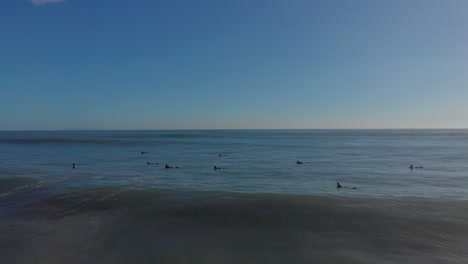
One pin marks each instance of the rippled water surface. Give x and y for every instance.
(261, 207)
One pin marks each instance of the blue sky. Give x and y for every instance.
(102, 64)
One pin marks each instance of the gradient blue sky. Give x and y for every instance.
(115, 64)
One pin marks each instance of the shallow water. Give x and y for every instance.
(262, 207)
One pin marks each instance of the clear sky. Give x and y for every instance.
(219, 64)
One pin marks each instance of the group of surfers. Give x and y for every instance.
(338, 185)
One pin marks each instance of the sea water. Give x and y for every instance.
(260, 207)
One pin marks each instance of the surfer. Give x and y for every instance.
(151, 163)
(411, 166)
(169, 167)
(338, 186)
(74, 166)
(299, 162)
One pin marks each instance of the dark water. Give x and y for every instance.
(260, 208)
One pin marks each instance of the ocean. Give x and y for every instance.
(121, 205)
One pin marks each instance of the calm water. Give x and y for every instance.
(260, 208)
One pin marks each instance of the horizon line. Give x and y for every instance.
(224, 129)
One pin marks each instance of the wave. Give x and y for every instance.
(99, 138)
(240, 227)
(55, 140)
(145, 137)
(202, 203)
(13, 183)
